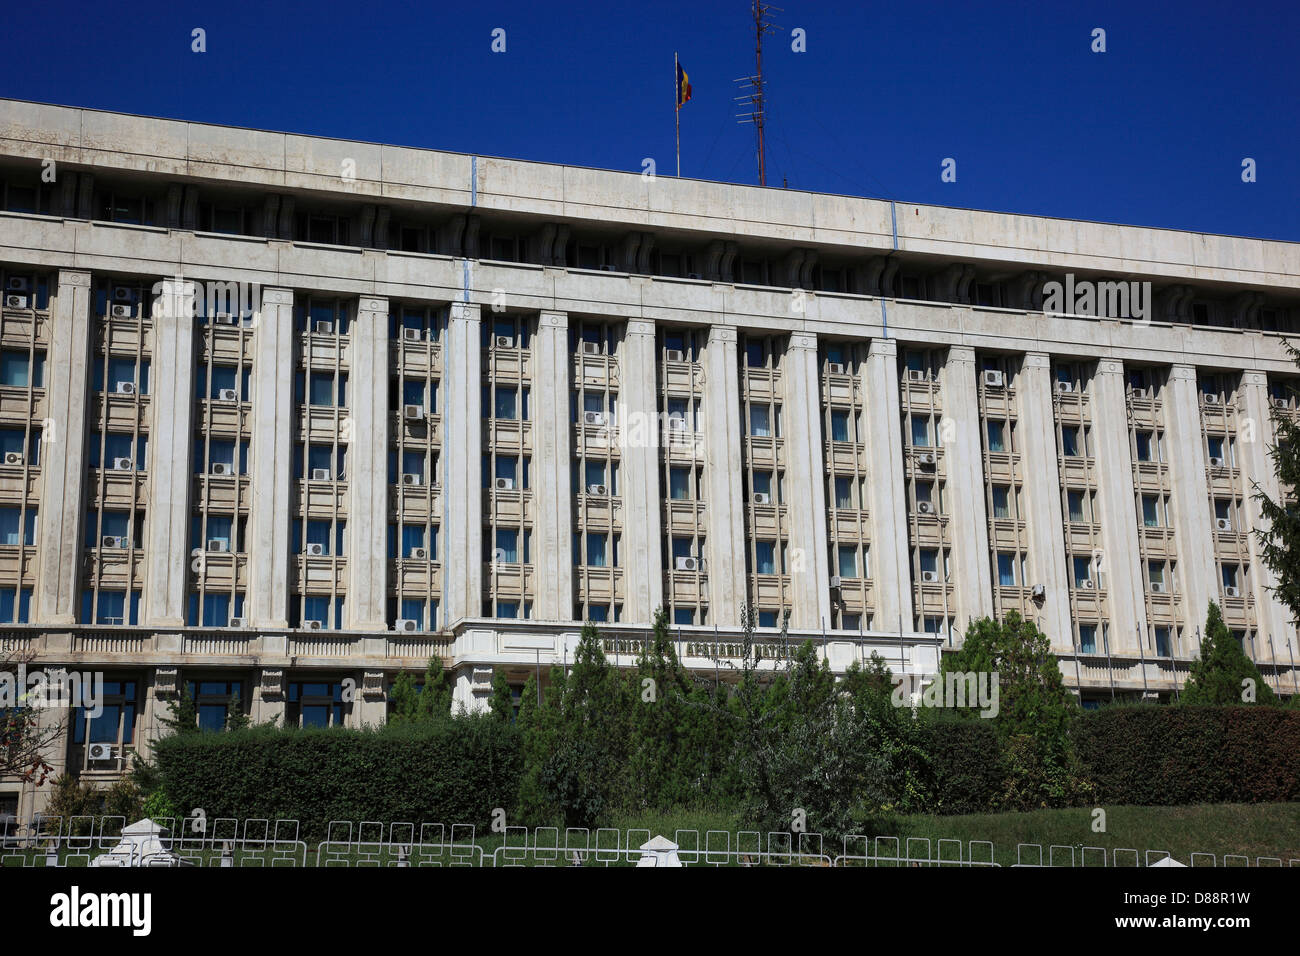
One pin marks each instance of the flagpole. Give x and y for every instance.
(677, 112)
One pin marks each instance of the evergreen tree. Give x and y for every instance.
(1219, 676)
(662, 770)
(1279, 539)
(183, 715)
(503, 702)
(236, 719)
(435, 697)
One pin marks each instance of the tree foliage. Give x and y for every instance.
(1224, 674)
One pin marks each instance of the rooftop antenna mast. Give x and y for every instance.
(753, 99)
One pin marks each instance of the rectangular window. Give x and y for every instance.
(760, 421)
(996, 432)
(843, 492)
(921, 431)
(1001, 501)
(1163, 642)
(1151, 511)
(1070, 442)
(765, 557)
(679, 484)
(839, 425)
(507, 546)
(1082, 570)
(1006, 570)
(848, 555)
(1088, 638)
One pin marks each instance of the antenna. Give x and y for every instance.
(754, 98)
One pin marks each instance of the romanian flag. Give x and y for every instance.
(683, 87)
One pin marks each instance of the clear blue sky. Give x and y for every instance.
(1151, 132)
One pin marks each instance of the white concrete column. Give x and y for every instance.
(805, 474)
(891, 561)
(63, 451)
(1255, 423)
(723, 477)
(1122, 573)
(1198, 572)
(171, 464)
(552, 460)
(1042, 491)
(268, 693)
(270, 462)
(968, 517)
(462, 458)
(367, 556)
(639, 431)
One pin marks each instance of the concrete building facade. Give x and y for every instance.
(283, 416)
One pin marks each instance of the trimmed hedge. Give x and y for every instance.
(449, 771)
(1164, 756)
(966, 770)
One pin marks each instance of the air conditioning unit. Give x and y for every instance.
(676, 423)
(593, 418)
(1038, 592)
(125, 388)
(413, 412)
(1211, 398)
(597, 490)
(219, 544)
(316, 550)
(762, 498)
(591, 348)
(221, 468)
(410, 479)
(687, 564)
(227, 395)
(413, 335)
(320, 474)
(834, 368)
(1140, 394)
(505, 341)
(926, 458)
(313, 625)
(418, 554)
(835, 582)
(121, 293)
(1065, 387)
(237, 622)
(930, 577)
(122, 464)
(15, 302)
(674, 355)
(15, 284)
(121, 311)
(1216, 462)
(1223, 524)
(406, 626)
(99, 753)
(505, 484)
(13, 458)
(223, 318)
(1232, 592)
(1280, 402)
(917, 375)
(114, 543)
(1157, 587)
(1087, 584)
(924, 507)
(993, 378)
(323, 328)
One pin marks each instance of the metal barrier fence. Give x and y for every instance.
(227, 842)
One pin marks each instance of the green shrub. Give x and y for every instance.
(455, 770)
(1151, 755)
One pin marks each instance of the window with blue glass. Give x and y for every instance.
(848, 559)
(214, 699)
(921, 431)
(317, 704)
(110, 607)
(997, 436)
(1164, 643)
(683, 615)
(110, 373)
(114, 524)
(768, 618)
(1006, 570)
(22, 369)
(765, 557)
(1088, 638)
(18, 526)
(115, 722)
(213, 608)
(505, 548)
(840, 425)
(16, 605)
